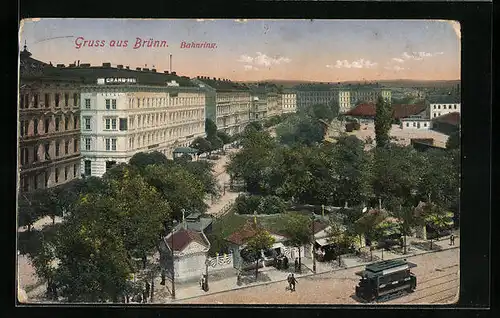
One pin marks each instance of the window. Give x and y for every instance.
(407, 124)
(57, 149)
(35, 127)
(108, 125)
(455, 106)
(439, 106)
(110, 164)
(57, 123)
(75, 145)
(57, 99)
(21, 128)
(75, 99)
(74, 170)
(108, 103)
(138, 103)
(87, 123)
(113, 144)
(66, 170)
(87, 103)
(47, 100)
(75, 122)
(57, 175)
(87, 144)
(123, 124)
(25, 184)
(113, 104)
(35, 182)
(434, 107)
(22, 101)
(35, 154)
(108, 144)
(113, 124)
(425, 124)
(46, 177)
(66, 147)
(24, 156)
(66, 99)
(47, 151)
(414, 124)
(88, 167)
(66, 123)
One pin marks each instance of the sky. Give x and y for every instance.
(255, 50)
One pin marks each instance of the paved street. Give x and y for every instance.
(437, 275)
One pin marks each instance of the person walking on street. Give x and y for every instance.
(289, 279)
(452, 239)
(293, 281)
(296, 265)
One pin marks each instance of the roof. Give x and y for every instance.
(222, 84)
(450, 118)
(319, 226)
(402, 111)
(246, 232)
(381, 266)
(199, 225)
(185, 150)
(363, 110)
(443, 99)
(182, 238)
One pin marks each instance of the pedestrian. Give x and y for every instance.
(296, 265)
(201, 280)
(289, 280)
(452, 239)
(293, 281)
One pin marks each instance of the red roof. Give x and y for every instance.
(402, 110)
(450, 118)
(363, 110)
(183, 237)
(247, 231)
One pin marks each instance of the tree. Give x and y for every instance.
(453, 141)
(29, 208)
(224, 137)
(142, 159)
(297, 229)
(202, 144)
(253, 126)
(202, 170)
(300, 130)
(271, 204)
(262, 240)
(216, 143)
(383, 121)
(210, 128)
(339, 237)
(321, 111)
(180, 188)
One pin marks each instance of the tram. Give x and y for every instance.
(384, 280)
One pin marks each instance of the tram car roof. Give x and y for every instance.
(385, 267)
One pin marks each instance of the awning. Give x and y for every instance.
(322, 241)
(278, 245)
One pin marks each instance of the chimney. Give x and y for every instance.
(78, 64)
(106, 64)
(174, 73)
(119, 66)
(127, 67)
(153, 70)
(166, 72)
(137, 68)
(60, 65)
(215, 79)
(85, 65)
(145, 69)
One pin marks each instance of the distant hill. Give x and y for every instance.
(386, 83)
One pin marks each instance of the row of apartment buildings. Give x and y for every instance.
(345, 97)
(81, 120)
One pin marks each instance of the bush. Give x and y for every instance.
(272, 205)
(247, 204)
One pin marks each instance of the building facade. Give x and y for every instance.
(310, 95)
(288, 102)
(415, 123)
(440, 109)
(232, 103)
(49, 125)
(131, 111)
(349, 98)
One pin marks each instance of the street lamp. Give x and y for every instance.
(174, 222)
(313, 218)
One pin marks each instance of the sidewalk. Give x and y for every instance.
(270, 275)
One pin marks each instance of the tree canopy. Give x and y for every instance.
(383, 121)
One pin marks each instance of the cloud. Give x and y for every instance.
(361, 63)
(263, 60)
(241, 20)
(250, 68)
(396, 68)
(397, 59)
(418, 56)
